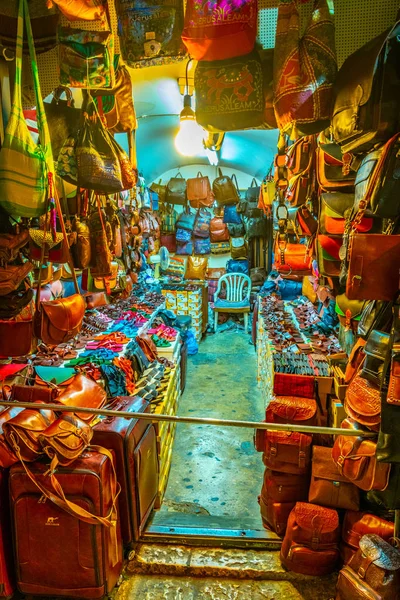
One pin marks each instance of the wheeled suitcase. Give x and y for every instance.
(57, 554)
(7, 583)
(134, 443)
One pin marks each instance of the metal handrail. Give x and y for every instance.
(193, 420)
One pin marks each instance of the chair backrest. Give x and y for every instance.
(238, 286)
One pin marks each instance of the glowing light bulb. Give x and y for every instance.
(189, 140)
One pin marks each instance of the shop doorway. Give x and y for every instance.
(216, 474)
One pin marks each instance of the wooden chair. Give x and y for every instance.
(238, 288)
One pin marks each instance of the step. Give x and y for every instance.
(159, 587)
(233, 564)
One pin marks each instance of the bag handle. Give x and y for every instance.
(179, 174)
(235, 181)
(254, 182)
(220, 172)
(199, 174)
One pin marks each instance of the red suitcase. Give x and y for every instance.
(134, 443)
(7, 583)
(55, 553)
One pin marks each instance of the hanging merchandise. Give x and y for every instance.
(229, 93)
(159, 189)
(176, 190)
(62, 117)
(218, 230)
(355, 525)
(86, 57)
(300, 159)
(367, 91)
(168, 219)
(236, 230)
(186, 220)
(202, 245)
(184, 248)
(80, 10)
(116, 105)
(239, 248)
(218, 31)
(24, 166)
(237, 266)
(11, 277)
(202, 223)
(44, 21)
(183, 235)
(55, 249)
(168, 240)
(291, 258)
(150, 32)
(335, 172)
(226, 189)
(199, 191)
(231, 215)
(196, 268)
(220, 247)
(256, 227)
(100, 240)
(303, 85)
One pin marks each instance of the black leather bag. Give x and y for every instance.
(367, 94)
(375, 351)
(62, 117)
(375, 315)
(390, 497)
(256, 227)
(236, 230)
(176, 190)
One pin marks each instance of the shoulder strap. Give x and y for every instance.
(220, 172)
(235, 181)
(253, 182)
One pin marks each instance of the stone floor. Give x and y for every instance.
(218, 469)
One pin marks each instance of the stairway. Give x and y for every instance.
(160, 571)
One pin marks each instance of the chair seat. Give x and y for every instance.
(245, 304)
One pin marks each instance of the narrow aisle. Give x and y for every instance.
(216, 468)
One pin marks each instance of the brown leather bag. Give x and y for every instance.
(363, 402)
(218, 230)
(287, 452)
(96, 299)
(22, 432)
(196, 268)
(328, 487)
(291, 258)
(373, 573)
(58, 321)
(7, 456)
(356, 460)
(275, 515)
(310, 545)
(355, 525)
(199, 191)
(65, 439)
(83, 392)
(374, 264)
(291, 409)
(11, 277)
(81, 250)
(15, 338)
(10, 244)
(285, 487)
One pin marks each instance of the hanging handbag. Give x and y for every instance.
(356, 460)
(12, 276)
(328, 487)
(375, 351)
(86, 57)
(159, 189)
(334, 171)
(220, 247)
(184, 248)
(186, 220)
(199, 191)
(100, 239)
(169, 219)
(62, 117)
(24, 165)
(176, 190)
(196, 268)
(236, 230)
(237, 266)
(239, 248)
(231, 215)
(183, 236)
(81, 250)
(349, 311)
(302, 86)
(218, 230)
(80, 10)
(202, 223)
(291, 258)
(373, 571)
(367, 91)
(168, 241)
(202, 246)
(229, 93)
(44, 22)
(225, 189)
(335, 210)
(150, 33)
(211, 32)
(256, 228)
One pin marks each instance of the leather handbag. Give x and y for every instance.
(304, 108)
(239, 248)
(202, 223)
(211, 33)
(373, 572)
(81, 250)
(186, 220)
(328, 247)
(287, 452)
(225, 189)
(377, 184)
(334, 171)
(63, 118)
(389, 498)
(356, 460)
(65, 439)
(290, 258)
(231, 215)
(357, 524)
(349, 312)
(373, 259)
(196, 268)
(10, 244)
(310, 545)
(55, 249)
(291, 409)
(176, 190)
(11, 277)
(15, 338)
(375, 315)
(285, 487)
(328, 487)
(367, 91)
(83, 392)
(199, 191)
(7, 455)
(218, 230)
(363, 402)
(58, 321)
(229, 93)
(336, 208)
(375, 351)
(23, 430)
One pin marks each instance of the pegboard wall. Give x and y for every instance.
(356, 22)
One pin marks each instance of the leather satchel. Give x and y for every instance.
(287, 384)
(291, 258)
(375, 351)
(285, 487)
(366, 109)
(7, 455)
(357, 524)
(11, 277)
(287, 452)
(65, 439)
(373, 266)
(274, 515)
(22, 432)
(334, 170)
(372, 573)
(199, 191)
(328, 487)
(363, 402)
(375, 315)
(83, 392)
(218, 230)
(58, 321)
(310, 545)
(356, 460)
(225, 189)
(176, 190)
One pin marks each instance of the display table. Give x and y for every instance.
(189, 298)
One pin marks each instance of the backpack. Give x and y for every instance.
(226, 189)
(199, 191)
(202, 223)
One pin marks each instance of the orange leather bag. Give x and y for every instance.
(65, 439)
(355, 525)
(198, 191)
(363, 402)
(287, 452)
(291, 409)
(83, 392)
(196, 268)
(291, 258)
(218, 230)
(23, 430)
(356, 460)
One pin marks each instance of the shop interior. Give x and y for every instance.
(199, 299)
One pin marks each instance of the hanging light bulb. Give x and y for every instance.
(189, 139)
